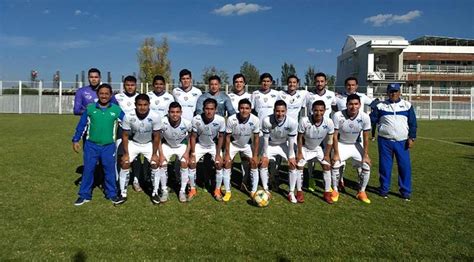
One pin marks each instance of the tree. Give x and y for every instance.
(331, 80)
(309, 76)
(286, 71)
(212, 70)
(251, 73)
(153, 60)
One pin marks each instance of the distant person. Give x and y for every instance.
(396, 121)
(141, 135)
(238, 91)
(348, 124)
(98, 122)
(160, 100)
(224, 104)
(373, 107)
(186, 94)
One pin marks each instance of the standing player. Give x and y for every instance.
(141, 136)
(98, 122)
(186, 95)
(264, 98)
(238, 93)
(312, 132)
(295, 99)
(279, 134)
(206, 128)
(160, 100)
(348, 124)
(396, 120)
(175, 132)
(241, 127)
(224, 105)
(126, 101)
(87, 94)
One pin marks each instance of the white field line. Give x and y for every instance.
(443, 141)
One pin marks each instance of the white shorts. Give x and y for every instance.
(311, 154)
(168, 151)
(134, 149)
(200, 151)
(354, 151)
(278, 150)
(246, 151)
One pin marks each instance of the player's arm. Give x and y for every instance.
(335, 146)
(125, 137)
(256, 143)
(220, 144)
(365, 157)
(227, 147)
(192, 144)
(291, 149)
(412, 125)
(78, 108)
(199, 105)
(327, 150)
(80, 129)
(229, 107)
(157, 155)
(299, 144)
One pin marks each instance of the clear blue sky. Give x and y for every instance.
(74, 35)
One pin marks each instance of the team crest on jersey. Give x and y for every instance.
(112, 113)
(198, 124)
(283, 97)
(150, 120)
(265, 99)
(129, 103)
(157, 102)
(133, 120)
(166, 98)
(292, 100)
(142, 124)
(359, 120)
(88, 96)
(194, 94)
(273, 96)
(215, 124)
(182, 128)
(325, 127)
(287, 129)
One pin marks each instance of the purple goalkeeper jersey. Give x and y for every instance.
(84, 96)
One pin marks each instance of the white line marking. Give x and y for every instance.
(444, 141)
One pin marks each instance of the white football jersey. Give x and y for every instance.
(279, 132)
(140, 130)
(187, 100)
(315, 134)
(242, 131)
(329, 98)
(341, 101)
(235, 99)
(206, 133)
(350, 129)
(126, 103)
(263, 103)
(294, 103)
(175, 135)
(160, 103)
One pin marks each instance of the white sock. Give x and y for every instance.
(335, 178)
(227, 179)
(254, 174)
(124, 176)
(327, 180)
(164, 178)
(184, 179)
(192, 177)
(364, 179)
(219, 177)
(299, 180)
(155, 179)
(292, 176)
(135, 180)
(264, 177)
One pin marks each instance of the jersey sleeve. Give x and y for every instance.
(335, 121)
(126, 123)
(157, 124)
(194, 125)
(78, 108)
(266, 126)
(366, 125)
(256, 126)
(229, 126)
(301, 125)
(222, 127)
(199, 104)
(330, 127)
(229, 107)
(293, 128)
(81, 127)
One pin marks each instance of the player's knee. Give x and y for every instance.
(337, 164)
(365, 167)
(192, 165)
(228, 165)
(264, 163)
(183, 164)
(326, 167)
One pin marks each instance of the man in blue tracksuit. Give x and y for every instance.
(396, 122)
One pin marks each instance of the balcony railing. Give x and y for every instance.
(386, 76)
(439, 69)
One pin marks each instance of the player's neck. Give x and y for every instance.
(239, 93)
(159, 93)
(321, 92)
(93, 87)
(102, 105)
(291, 92)
(142, 116)
(207, 120)
(317, 122)
(174, 123)
(186, 89)
(215, 93)
(241, 118)
(264, 91)
(129, 94)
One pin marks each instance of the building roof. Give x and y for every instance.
(442, 41)
(354, 41)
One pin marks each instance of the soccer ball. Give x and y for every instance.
(261, 198)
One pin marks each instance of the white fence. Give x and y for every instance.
(58, 98)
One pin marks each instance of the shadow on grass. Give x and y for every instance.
(80, 256)
(465, 143)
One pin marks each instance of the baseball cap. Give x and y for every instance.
(393, 87)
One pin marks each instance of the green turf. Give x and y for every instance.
(39, 221)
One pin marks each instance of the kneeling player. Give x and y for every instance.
(175, 131)
(312, 131)
(348, 124)
(143, 127)
(240, 129)
(206, 128)
(279, 134)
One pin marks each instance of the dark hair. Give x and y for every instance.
(351, 78)
(142, 97)
(214, 77)
(104, 86)
(184, 72)
(159, 77)
(280, 103)
(238, 76)
(209, 100)
(174, 104)
(93, 70)
(352, 97)
(266, 75)
(245, 101)
(292, 76)
(130, 79)
(319, 103)
(319, 75)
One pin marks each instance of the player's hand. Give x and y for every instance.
(327, 159)
(157, 159)
(335, 158)
(292, 163)
(186, 158)
(226, 159)
(366, 159)
(299, 157)
(254, 161)
(218, 161)
(263, 159)
(410, 143)
(125, 159)
(76, 147)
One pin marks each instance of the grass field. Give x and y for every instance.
(39, 221)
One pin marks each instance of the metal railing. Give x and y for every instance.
(438, 69)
